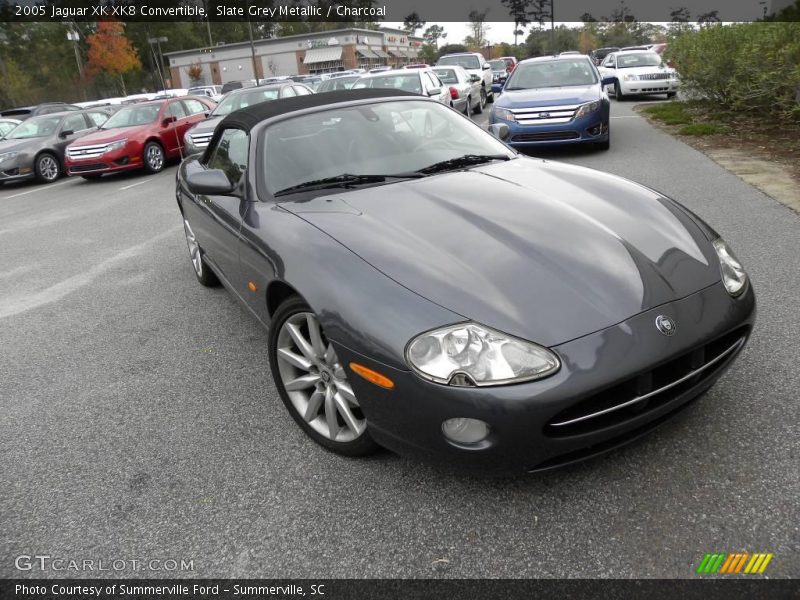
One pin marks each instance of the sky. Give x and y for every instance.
(456, 32)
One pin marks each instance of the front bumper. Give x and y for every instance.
(590, 128)
(124, 159)
(646, 87)
(595, 369)
(18, 168)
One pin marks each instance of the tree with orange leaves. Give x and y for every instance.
(111, 52)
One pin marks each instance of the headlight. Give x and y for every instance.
(468, 354)
(506, 115)
(587, 108)
(734, 276)
(187, 140)
(630, 77)
(116, 145)
(7, 156)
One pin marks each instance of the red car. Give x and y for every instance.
(139, 136)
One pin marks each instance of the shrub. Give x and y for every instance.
(752, 66)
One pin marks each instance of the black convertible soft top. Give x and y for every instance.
(247, 118)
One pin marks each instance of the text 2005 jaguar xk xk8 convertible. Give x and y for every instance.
(429, 290)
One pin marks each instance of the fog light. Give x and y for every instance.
(465, 431)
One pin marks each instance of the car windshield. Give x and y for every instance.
(133, 116)
(35, 128)
(234, 102)
(339, 83)
(554, 73)
(639, 59)
(467, 61)
(6, 126)
(383, 138)
(498, 65)
(409, 82)
(446, 75)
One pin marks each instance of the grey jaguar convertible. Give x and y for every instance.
(429, 290)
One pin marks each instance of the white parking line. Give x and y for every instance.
(127, 187)
(38, 189)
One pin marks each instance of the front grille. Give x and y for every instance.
(86, 168)
(647, 391)
(201, 139)
(544, 115)
(655, 89)
(82, 152)
(546, 136)
(651, 76)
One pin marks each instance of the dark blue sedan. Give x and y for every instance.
(554, 100)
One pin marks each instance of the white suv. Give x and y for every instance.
(474, 64)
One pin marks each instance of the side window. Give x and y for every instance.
(98, 118)
(288, 92)
(301, 90)
(74, 123)
(429, 81)
(193, 106)
(230, 155)
(175, 109)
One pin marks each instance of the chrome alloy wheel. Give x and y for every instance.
(194, 248)
(315, 381)
(48, 167)
(154, 157)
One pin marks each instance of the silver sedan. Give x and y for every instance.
(465, 89)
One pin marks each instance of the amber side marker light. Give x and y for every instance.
(372, 376)
(252, 286)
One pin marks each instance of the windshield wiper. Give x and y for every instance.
(345, 180)
(467, 160)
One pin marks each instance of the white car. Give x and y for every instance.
(639, 72)
(419, 81)
(475, 64)
(209, 91)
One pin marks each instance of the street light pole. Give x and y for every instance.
(252, 44)
(74, 37)
(160, 60)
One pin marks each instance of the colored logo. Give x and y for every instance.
(665, 325)
(732, 563)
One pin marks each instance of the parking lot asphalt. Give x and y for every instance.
(139, 419)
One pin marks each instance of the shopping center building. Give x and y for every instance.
(321, 52)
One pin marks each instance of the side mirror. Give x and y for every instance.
(434, 91)
(608, 81)
(486, 66)
(211, 182)
(207, 114)
(499, 130)
(168, 120)
(66, 133)
(474, 78)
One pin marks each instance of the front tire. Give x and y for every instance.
(47, 168)
(313, 383)
(153, 157)
(468, 107)
(618, 92)
(204, 275)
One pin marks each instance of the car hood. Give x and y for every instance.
(206, 126)
(569, 95)
(104, 136)
(22, 145)
(545, 251)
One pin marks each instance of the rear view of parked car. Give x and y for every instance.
(197, 137)
(35, 148)
(553, 100)
(138, 136)
(474, 64)
(344, 82)
(465, 89)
